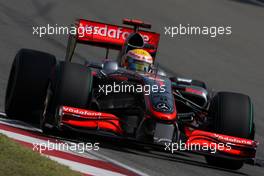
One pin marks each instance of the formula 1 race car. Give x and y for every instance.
(147, 106)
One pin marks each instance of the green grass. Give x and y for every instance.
(16, 160)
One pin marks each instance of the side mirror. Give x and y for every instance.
(109, 67)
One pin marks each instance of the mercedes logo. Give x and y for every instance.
(163, 107)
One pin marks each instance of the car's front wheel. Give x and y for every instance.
(71, 86)
(233, 115)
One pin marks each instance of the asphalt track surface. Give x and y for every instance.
(233, 63)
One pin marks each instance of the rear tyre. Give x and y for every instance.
(233, 115)
(72, 86)
(27, 84)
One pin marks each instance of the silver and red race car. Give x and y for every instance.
(90, 98)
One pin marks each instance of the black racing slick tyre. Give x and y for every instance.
(27, 83)
(72, 86)
(233, 115)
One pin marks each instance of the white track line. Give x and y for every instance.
(118, 163)
(3, 114)
(19, 124)
(84, 168)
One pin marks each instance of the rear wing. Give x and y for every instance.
(108, 35)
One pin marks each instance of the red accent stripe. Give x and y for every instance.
(34, 134)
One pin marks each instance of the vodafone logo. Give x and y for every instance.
(233, 140)
(81, 112)
(105, 31)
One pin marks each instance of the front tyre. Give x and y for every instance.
(233, 115)
(71, 86)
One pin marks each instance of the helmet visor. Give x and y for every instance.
(137, 65)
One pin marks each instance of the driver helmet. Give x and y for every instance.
(137, 60)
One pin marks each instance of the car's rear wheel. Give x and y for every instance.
(72, 86)
(27, 84)
(233, 115)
